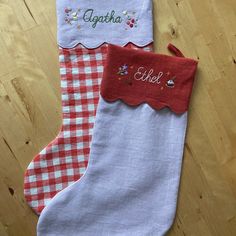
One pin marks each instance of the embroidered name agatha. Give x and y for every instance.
(110, 17)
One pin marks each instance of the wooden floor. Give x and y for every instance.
(30, 113)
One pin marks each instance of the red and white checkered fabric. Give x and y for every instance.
(65, 159)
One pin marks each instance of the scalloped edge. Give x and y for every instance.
(156, 105)
(100, 44)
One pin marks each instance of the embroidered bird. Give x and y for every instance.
(171, 83)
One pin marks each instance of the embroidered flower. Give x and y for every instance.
(130, 19)
(123, 70)
(171, 83)
(71, 16)
(68, 10)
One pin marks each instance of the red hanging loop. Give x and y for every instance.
(175, 50)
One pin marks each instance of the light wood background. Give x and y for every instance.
(30, 112)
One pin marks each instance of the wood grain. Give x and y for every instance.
(30, 114)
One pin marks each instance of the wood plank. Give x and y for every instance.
(31, 112)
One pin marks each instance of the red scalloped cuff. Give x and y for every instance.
(136, 77)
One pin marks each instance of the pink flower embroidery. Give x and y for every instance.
(130, 19)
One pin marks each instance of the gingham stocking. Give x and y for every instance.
(65, 159)
(131, 184)
(90, 26)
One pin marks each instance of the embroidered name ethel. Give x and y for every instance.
(110, 17)
(148, 76)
